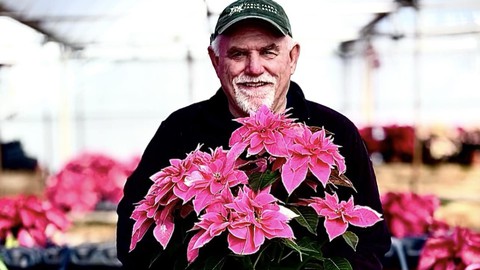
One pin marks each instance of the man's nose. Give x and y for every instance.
(254, 65)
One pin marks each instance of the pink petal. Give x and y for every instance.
(235, 244)
(242, 246)
(256, 142)
(203, 238)
(287, 232)
(300, 150)
(335, 227)
(341, 166)
(319, 205)
(201, 201)
(292, 177)
(58, 218)
(321, 170)
(183, 192)
(217, 228)
(258, 237)
(331, 200)
(471, 254)
(163, 231)
(26, 239)
(192, 253)
(264, 198)
(235, 151)
(164, 225)
(240, 233)
(237, 136)
(364, 216)
(279, 148)
(475, 266)
(139, 230)
(28, 217)
(325, 157)
(278, 230)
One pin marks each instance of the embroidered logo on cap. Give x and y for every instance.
(235, 9)
(244, 6)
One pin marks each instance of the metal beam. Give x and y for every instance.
(37, 26)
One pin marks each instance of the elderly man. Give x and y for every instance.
(254, 56)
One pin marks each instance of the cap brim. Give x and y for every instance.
(242, 18)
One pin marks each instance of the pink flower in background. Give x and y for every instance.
(407, 213)
(311, 152)
(256, 216)
(457, 249)
(72, 192)
(30, 220)
(439, 228)
(411, 214)
(86, 180)
(338, 215)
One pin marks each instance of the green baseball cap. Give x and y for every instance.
(267, 10)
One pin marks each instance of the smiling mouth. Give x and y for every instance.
(254, 84)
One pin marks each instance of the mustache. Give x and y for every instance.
(264, 78)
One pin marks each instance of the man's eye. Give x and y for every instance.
(269, 53)
(236, 55)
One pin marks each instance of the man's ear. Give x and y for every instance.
(213, 57)
(294, 55)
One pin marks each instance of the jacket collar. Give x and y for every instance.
(297, 103)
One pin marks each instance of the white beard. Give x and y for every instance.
(250, 101)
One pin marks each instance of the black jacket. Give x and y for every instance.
(210, 123)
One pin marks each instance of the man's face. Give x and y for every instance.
(254, 64)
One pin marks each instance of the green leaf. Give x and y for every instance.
(301, 250)
(279, 267)
(307, 248)
(259, 181)
(307, 217)
(313, 266)
(214, 263)
(351, 239)
(312, 247)
(337, 264)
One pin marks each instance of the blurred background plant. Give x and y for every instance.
(30, 221)
(87, 181)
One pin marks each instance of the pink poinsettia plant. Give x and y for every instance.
(456, 248)
(231, 193)
(403, 222)
(86, 180)
(29, 221)
(446, 247)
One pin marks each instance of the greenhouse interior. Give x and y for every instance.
(85, 84)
